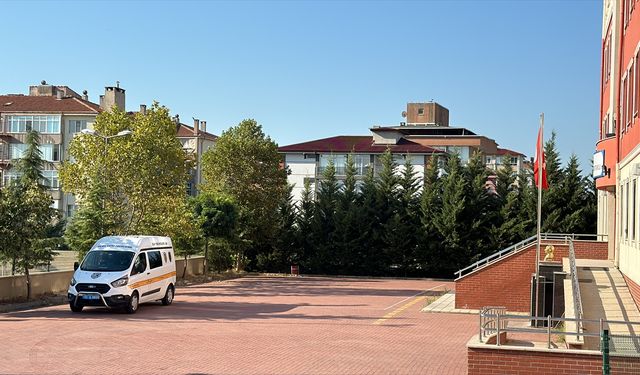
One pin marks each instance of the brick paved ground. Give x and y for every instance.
(253, 325)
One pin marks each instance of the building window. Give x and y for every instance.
(633, 91)
(50, 152)
(76, 126)
(16, 150)
(625, 211)
(633, 210)
(51, 179)
(45, 124)
(71, 209)
(514, 160)
(362, 163)
(420, 111)
(629, 92)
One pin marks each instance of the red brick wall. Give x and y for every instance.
(507, 282)
(518, 362)
(634, 289)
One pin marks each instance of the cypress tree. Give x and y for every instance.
(430, 207)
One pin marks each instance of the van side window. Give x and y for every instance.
(165, 257)
(155, 259)
(139, 265)
(170, 260)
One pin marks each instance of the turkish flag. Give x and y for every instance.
(536, 163)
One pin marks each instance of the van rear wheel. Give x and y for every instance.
(134, 302)
(168, 296)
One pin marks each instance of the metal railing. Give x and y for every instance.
(620, 344)
(575, 287)
(564, 237)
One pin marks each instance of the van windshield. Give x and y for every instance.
(107, 261)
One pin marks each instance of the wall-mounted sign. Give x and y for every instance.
(599, 169)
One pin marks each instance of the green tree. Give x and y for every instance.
(400, 234)
(304, 225)
(285, 250)
(430, 207)
(27, 214)
(217, 217)
(324, 222)
(246, 165)
(451, 219)
(127, 185)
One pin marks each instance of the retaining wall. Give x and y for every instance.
(15, 287)
(502, 360)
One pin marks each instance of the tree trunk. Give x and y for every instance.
(184, 272)
(13, 266)
(26, 272)
(206, 263)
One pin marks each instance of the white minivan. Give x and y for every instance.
(123, 272)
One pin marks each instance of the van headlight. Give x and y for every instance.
(73, 281)
(120, 282)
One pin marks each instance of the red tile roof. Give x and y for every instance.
(186, 131)
(358, 144)
(504, 151)
(46, 104)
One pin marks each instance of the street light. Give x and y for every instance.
(106, 139)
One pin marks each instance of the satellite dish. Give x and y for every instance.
(404, 113)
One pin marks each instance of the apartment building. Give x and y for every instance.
(617, 157)
(425, 133)
(58, 113)
(196, 141)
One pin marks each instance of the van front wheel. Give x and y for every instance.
(168, 296)
(134, 301)
(75, 308)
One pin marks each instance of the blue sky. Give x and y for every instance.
(308, 70)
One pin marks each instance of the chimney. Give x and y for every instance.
(113, 97)
(85, 95)
(204, 126)
(196, 126)
(143, 109)
(59, 94)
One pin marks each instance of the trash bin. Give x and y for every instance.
(295, 271)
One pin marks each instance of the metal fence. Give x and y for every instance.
(575, 287)
(619, 344)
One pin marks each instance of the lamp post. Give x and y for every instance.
(106, 139)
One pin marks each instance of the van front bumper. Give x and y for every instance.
(114, 301)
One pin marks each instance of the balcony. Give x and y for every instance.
(610, 147)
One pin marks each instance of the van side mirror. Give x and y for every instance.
(76, 265)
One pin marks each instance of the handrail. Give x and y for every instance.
(575, 287)
(494, 314)
(566, 237)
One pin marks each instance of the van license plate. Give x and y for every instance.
(89, 296)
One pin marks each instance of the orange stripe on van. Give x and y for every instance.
(152, 280)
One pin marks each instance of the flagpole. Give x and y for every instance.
(540, 171)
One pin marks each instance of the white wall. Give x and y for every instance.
(629, 244)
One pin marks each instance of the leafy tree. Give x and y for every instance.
(245, 164)
(217, 217)
(126, 185)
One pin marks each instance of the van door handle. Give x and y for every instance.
(148, 273)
